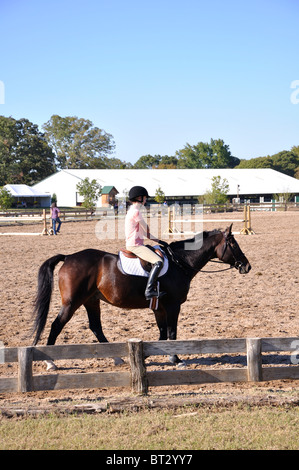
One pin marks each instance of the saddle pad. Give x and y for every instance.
(133, 266)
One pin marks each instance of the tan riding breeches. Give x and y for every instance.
(145, 253)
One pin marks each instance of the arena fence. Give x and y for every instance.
(138, 377)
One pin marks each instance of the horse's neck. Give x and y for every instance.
(198, 258)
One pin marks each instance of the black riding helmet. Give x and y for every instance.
(137, 191)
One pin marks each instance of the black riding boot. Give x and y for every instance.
(151, 288)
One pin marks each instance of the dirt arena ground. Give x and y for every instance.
(222, 305)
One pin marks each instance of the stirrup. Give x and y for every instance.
(154, 301)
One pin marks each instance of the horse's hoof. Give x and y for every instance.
(50, 366)
(174, 360)
(118, 361)
(182, 365)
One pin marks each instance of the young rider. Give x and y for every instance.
(136, 229)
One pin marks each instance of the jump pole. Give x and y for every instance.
(246, 230)
(45, 229)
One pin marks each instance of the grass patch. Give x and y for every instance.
(186, 428)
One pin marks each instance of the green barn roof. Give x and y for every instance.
(108, 189)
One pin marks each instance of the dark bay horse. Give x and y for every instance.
(89, 276)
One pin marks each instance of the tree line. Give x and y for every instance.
(28, 155)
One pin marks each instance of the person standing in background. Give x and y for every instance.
(54, 212)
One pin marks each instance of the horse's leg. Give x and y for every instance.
(167, 319)
(65, 314)
(94, 315)
(161, 319)
(173, 311)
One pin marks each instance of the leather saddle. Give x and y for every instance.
(145, 264)
(128, 263)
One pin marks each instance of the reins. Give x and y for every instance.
(185, 266)
(218, 270)
(180, 262)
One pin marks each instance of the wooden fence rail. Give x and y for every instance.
(139, 378)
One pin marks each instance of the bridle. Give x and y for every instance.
(238, 264)
(185, 266)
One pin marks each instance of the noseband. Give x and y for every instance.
(238, 264)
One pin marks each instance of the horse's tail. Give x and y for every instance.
(43, 296)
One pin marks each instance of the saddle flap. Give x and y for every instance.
(133, 265)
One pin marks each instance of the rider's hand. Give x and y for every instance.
(162, 243)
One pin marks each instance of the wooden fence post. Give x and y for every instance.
(25, 382)
(139, 381)
(254, 359)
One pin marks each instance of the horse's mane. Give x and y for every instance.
(180, 244)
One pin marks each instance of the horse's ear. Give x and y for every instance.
(228, 231)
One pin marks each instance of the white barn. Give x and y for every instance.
(254, 185)
(25, 196)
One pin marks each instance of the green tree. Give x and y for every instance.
(147, 162)
(156, 161)
(159, 195)
(168, 162)
(218, 192)
(25, 156)
(6, 199)
(116, 163)
(215, 154)
(77, 143)
(285, 162)
(90, 191)
(259, 162)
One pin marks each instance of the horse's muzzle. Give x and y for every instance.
(244, 268)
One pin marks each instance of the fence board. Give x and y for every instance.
(189, 377)
(204, 346)
(280, 373)
(280, 344)
(79, 351)
(152, 348)
(90, 380)
(10, 354)
(71, 351)
(8, 384)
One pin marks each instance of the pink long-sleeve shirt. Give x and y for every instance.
(134, 224)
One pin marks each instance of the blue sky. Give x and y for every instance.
(157, 74)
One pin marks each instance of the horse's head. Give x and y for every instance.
(229, 252)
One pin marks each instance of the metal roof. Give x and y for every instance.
(188, 182)
(22, 190)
